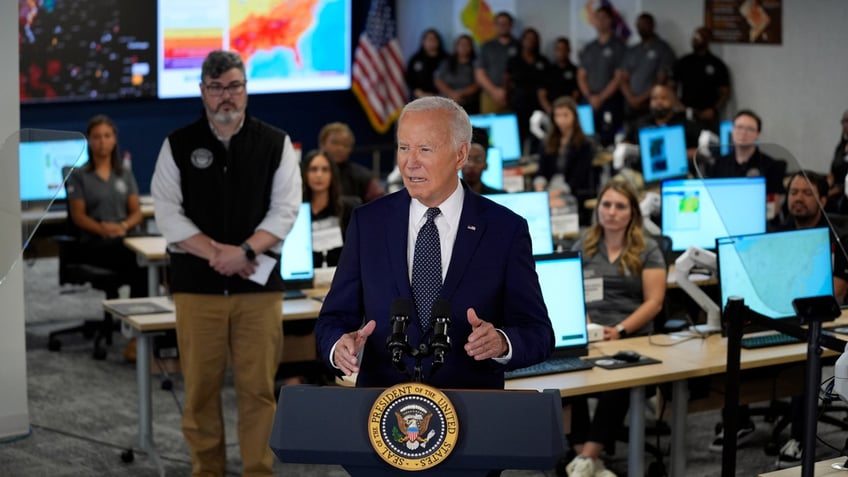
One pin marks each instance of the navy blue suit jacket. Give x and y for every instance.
(491, 270)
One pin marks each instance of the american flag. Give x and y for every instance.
(378, 79)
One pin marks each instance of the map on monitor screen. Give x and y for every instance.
(295, 45)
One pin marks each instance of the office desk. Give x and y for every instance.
(822, 469)
(151, 252)
(672, 369)
(687, 359)
(143, 327)
(40, 215)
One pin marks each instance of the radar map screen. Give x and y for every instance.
(286, 45)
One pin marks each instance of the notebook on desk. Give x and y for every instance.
(561, 279)
(137, 308)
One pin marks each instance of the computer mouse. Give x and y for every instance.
(627, 356)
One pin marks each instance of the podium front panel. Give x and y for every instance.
(497, 429)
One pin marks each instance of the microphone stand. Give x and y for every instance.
(439, 343)
(812, 311)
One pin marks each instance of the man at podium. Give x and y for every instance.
(435, 240)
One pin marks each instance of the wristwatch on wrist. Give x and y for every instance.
(248, 251)
(622, 331)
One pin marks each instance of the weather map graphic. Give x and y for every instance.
(286, 45)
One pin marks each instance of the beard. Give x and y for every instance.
(234, 114)
(227, 117)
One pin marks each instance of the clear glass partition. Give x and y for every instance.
(45, 159)
(765, 211)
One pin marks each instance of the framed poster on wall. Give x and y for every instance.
(745, 21)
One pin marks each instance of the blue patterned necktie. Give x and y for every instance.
(427, 268)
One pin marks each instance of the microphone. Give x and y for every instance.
(398, 343)
(440, 342)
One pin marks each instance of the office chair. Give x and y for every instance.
(73, 270)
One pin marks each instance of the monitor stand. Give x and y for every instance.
(293, 294)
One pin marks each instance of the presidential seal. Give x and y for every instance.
(413, 426)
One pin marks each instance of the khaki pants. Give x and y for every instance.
(489, 106)
(247, 328)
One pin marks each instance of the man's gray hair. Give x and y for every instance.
(460, 124)
(219, 62)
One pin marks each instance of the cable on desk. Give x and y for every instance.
(675, 341)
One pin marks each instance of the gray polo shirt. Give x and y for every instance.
(493, 58)
(645, 61)
(105, 201)
(600, 62)
(460, 79)
(622, 293)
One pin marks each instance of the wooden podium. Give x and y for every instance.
(497, 430)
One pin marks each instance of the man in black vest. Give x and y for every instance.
(227, 190)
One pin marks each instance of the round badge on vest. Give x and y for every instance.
(201, 158)
(710, 70)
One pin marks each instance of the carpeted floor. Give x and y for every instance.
(83, 412)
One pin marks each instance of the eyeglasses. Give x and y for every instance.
(217, 89)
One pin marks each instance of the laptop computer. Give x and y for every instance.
(561, 279)
(296, 263)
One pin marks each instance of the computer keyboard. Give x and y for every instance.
(765, 341)
(551, 366)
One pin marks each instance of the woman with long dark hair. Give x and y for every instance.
(422, 65)
(330, 209)
(454, 78)
(567, 157)
(103, 204)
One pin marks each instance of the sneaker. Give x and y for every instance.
(791, 452)
(581, 466)
(743, 435)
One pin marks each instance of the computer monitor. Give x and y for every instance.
(493, 175)
(503, 133)
(296, 262)
(536, 210)
(725, 136)
(663, 152)
(770, 270)
(561, 280)
(695, 212)
(586, 117)
(41, 163)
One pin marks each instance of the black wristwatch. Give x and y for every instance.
(622, 331)
(248, 251)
